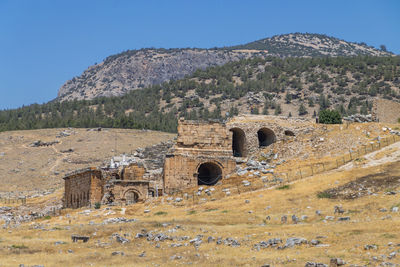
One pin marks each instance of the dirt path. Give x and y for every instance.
(58, 160)
(392, 155)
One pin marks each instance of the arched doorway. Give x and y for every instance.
(151, 192)
(208, 174)
(131, 197)
(238, 142)
(265, 137)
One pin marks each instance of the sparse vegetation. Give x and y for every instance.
(324, 195)
(97, 205)
(346, 80)
(19, 246)
(284, 187)
(161, 213)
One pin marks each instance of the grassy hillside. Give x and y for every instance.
(291, 87)
(230, 228)
(28, 170)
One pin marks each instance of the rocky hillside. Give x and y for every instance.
(289, 87)
(310, 45)
(135, 69)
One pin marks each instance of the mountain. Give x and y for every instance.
(281, 86)
(310, 45)
(135, 69)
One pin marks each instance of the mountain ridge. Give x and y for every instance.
(136, 69)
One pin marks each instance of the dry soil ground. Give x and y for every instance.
(24, 168)
(248, 218)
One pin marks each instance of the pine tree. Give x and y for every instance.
(302, 110)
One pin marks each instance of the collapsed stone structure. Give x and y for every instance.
(204, 153)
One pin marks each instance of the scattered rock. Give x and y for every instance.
(315, 264)
(337, 262)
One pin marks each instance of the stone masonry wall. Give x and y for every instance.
(180, 170)
(133, 172)
(251, 124)
(385, 111)
(121, 188)
(83, 188)
(197, 143)
(203, 135)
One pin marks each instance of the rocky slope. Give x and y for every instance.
(311, 45)
(135, 69)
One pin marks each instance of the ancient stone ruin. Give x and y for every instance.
(204, 153)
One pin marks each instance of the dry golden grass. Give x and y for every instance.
(25, 168)
(227, 217)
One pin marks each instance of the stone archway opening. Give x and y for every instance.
(131, 197)
(265, 137)
(208, 173)
(238, 142)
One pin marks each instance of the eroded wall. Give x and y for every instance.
(198, 142)
(386, 111)
(83, 188)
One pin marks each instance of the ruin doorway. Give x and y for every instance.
(131, 197)
(238, 142)
(151, 193)
(265, 137)
(208, 173)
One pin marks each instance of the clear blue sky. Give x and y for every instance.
(45, 43)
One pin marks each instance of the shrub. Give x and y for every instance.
(324, 195)
(161, 213)
(19, 246)
(97, 205)
(330, 117)
(283, 187)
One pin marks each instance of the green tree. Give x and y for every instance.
(302, 110)
(288, 98)
(278, 109)
(329, 117)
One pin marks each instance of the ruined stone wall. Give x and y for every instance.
(134, 172)
(251, 124)
(198, 142)
(83, 188)
(203, 135)
(385, 111)
(180, 170)
(121, 188)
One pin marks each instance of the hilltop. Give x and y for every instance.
(310, 45)
(136, 69)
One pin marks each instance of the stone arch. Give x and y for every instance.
(289, 133)
(265, 137)
(238, 142)
(131, 196)
(208, 173)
